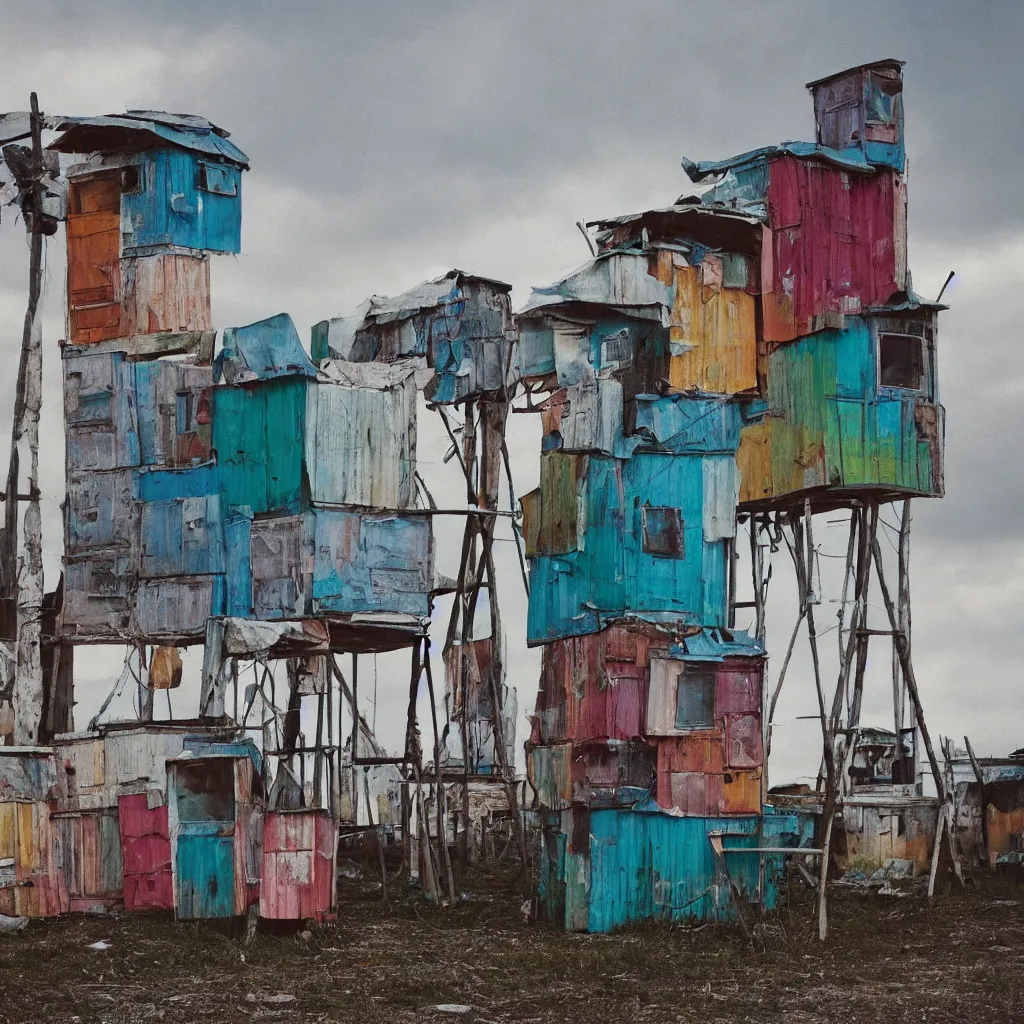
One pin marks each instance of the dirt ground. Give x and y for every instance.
(888, 958)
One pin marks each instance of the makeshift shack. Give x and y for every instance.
(32, 882)
(215, 819)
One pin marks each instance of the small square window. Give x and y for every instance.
(695, 698)
(131, 179)
(663, 531)
(218, 179)
(900, 361)
(617, 350)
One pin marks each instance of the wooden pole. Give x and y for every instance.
(26, 581)
(903, 649)
(441, 794)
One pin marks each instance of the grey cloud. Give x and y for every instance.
(390, 141)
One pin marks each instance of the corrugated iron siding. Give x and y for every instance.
(298, 865)
(372, 563)
(146, 854)
(831, 244)
(360, 444)
(33, 884)
(830, 424)
(712, 332)
(572, 593)
(258, 435)
(659, 866)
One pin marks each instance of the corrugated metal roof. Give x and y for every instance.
(620, 280)
(140, 129)
(886, 64)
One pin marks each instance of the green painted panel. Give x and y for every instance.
(239, 432)
(259, 434)
(286, 428)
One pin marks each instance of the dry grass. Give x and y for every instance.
(888, 959)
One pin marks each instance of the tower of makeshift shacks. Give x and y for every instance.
(757, 353)
(268, 508)
(455, 335)
(265, 505)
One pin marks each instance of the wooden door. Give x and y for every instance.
(94, 227)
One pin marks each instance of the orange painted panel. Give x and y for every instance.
(742, 792)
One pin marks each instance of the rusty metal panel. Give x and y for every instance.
(372, 563)
(182, 537)
(862, 108)
(176, 608)
(743, 741)
(282, 565)
(97, 595)
(94, 243)
(831, 245)
(754, 462)
(552, 520)
(693, 794)
(101, 511)
(164, 292)
(100, 412)
(175, 414)
(738, 687)
(146, 854)
(549, 770)
(741, 792)
(298, 865)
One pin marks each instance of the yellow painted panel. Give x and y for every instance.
(754, 462)
(28, 850)
(8, 830)
(716, 326)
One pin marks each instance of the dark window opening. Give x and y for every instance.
(131, 179)
(663, 531)
(900, 361)
(183, 413)
(695, 698)
(206, 790)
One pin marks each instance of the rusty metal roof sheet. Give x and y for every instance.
(886, 64)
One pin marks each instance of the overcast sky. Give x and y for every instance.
(391, 142)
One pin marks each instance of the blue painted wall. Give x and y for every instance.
(171, 208)
(571, 594)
